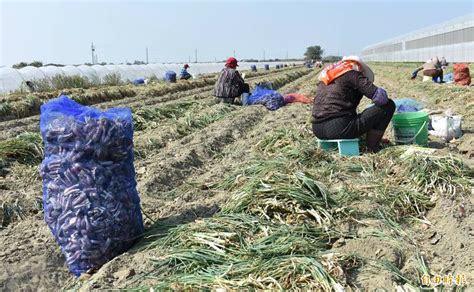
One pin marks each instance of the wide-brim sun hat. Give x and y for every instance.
(368, 73)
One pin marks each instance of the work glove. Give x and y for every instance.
(413, 74)
(380, 97)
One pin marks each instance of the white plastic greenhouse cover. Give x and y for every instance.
(129, 72)
(10, 79)
(88, 72)
(13, 79)
(102, 71)
(50, 71)
(71, 70)
(31, 73)
(114, 69)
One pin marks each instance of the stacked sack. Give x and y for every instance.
(90, 199)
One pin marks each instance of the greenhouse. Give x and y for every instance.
(14, 79)
(453, 40)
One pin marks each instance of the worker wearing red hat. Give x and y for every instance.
(184, 73)
(230, 85)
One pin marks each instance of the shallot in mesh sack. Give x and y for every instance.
(90, 199)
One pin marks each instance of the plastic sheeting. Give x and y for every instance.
(31, 73)
(13, 79)
(10, 79)
(88, 72)
(51, 71)
(71, 71)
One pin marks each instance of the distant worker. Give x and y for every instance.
(339, 93)
(230, 85)
(31, 86)
(432, 68)
(184, 73)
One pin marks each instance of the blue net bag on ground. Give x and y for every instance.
(170, 76)
(448, 77)
(138, 81)
(407, 104)
(90, 199)
(271, 99)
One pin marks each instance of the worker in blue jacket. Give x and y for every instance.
(184, 73)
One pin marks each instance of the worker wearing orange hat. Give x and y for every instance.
(230, 85)
(184, 73)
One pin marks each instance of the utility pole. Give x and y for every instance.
(147, 55)
(92, 51)
(195, 55)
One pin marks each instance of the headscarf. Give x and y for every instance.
(333, 71)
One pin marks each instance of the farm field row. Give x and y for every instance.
(241, 197)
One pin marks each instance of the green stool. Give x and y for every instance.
(347, 147)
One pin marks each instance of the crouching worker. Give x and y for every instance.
(339, 92)
(230, 85)
(432, 68)
(184, 75)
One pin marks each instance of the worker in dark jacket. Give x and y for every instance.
(339, 92)
(230, 84)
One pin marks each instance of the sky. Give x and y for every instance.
(62, 31)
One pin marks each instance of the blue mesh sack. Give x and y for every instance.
(90, 199)
(170, 76)
(407, 104)
(271, 99)
(138, 81)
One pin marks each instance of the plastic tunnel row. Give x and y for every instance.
(13, 79)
